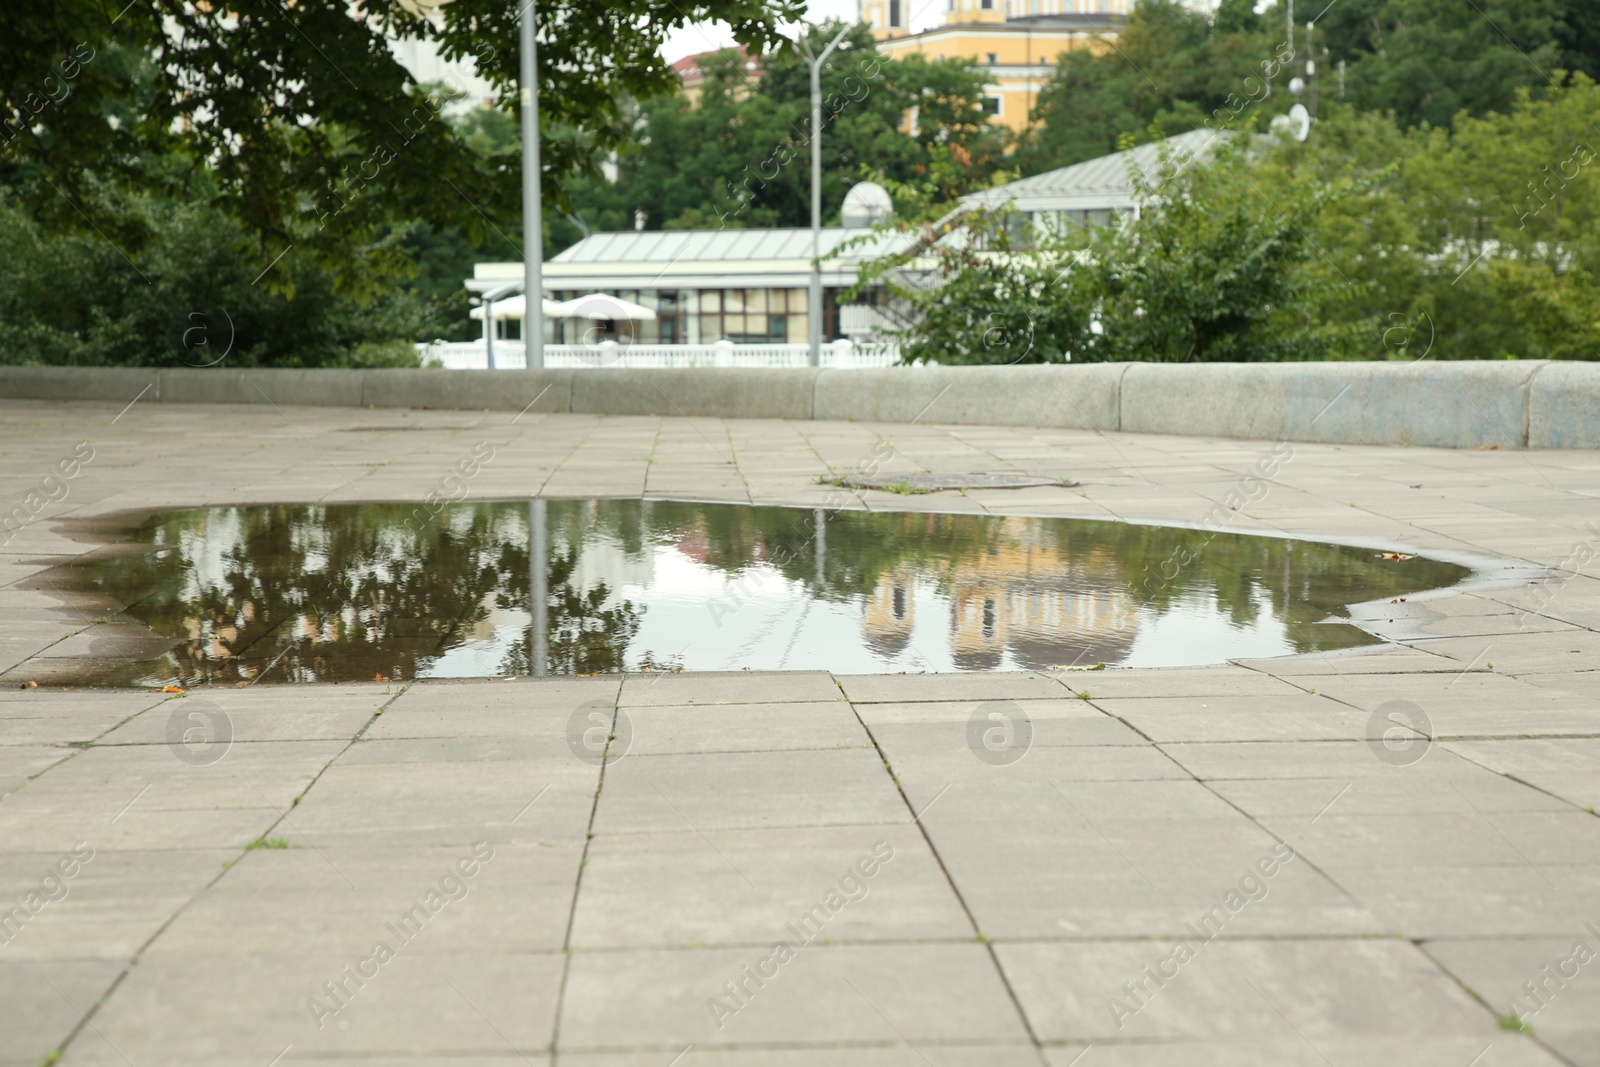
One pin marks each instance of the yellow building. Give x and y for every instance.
(1017, 40)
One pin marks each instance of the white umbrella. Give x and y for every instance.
(516, 307)
(599, 307)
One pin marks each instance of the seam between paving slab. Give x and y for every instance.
(577, 886)
(133, 961)
(1418, 943)
(916, 818)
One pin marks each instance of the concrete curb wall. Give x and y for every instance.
(1085, 397)
(1449, 405)
(1512, 404)
(1564, 406)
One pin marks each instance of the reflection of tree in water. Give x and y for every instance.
(585, 637)
(345, 593)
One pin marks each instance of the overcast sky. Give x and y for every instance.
(713, 35)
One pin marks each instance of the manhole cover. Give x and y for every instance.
(933, 483)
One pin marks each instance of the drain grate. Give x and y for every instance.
(934, 483)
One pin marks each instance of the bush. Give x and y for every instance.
(1211, 270)
(192, 293)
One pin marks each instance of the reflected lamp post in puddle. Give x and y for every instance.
(819, 520)
(538, 589)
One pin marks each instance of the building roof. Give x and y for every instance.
(1102, 21)
(690, 259)
(1102, 182)
(692, 69)
(698, 246)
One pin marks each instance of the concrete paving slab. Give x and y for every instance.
(417, 1005)
(1476, 689)
(42, 1000)
(62, 725)
(1176, 681)
(1398, 659)
(1312, 798)
(702, 728)
(1466, 838)
(328, 716)
(677, 690)
(937, 755)
(902, 688)
(1506, 1050)
(20, 762)
(748, 790)
(247, 774)
(1301, 717)
(959, 711)
(1078, 888)
(1522, 652)
(1319, 990)
(96, 903)
(924, 994)
(1563, 1002)
(404, 804)
(478, 898)
(749, 887)
(1568, 767)
(1422, 902)
(1311, 759)
(903, 1055)
(1580, 683)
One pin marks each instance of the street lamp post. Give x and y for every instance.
(532, 206)
(814, 300)
(488, 300)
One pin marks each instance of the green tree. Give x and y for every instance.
(192, 300)
(1429, 60)
(313, 133)
(1215, 267)
(739, 157)
(1170, 69)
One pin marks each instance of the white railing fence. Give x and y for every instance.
(510, 355)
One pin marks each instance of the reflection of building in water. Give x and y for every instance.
(891, 611)
(1020, 593)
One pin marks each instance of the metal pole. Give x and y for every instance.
(538, 590)
(532, 204)
(814, 297)
(488, 329)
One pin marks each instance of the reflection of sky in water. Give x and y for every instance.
(1199, 625)
(697, 616)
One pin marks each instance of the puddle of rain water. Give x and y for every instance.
(398, 591)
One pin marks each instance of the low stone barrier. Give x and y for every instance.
(1463, 404)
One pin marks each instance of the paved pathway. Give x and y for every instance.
(1191, 867)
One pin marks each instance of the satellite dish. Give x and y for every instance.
(1297, 86)
(866, 204)
(1299, 122)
